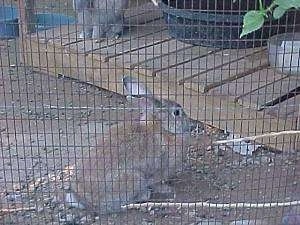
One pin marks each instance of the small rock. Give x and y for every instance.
(67, 218)
(27, 215)
(61, 207)
(292, 217)
(192, 214)
(147, 222)
(13, 197)
(87, 219)
(291, 220)
(48, 199)
(40, 209)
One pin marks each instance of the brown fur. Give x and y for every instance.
(131, 159)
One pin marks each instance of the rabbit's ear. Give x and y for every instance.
(134, 87)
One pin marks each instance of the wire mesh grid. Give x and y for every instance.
(128, 112)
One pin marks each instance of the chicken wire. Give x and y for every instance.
(123, 128)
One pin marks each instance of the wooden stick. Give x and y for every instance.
(13, 210)
(211, 205)
(252, 138)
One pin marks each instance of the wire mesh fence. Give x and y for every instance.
(149, 112)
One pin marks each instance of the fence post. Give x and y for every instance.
(27, 21)
(27, 16)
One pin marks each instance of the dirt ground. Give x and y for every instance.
(47, 123)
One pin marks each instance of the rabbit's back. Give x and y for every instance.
(126, 161)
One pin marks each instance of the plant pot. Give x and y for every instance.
(284, 53)
(9, 26)
(9, 21)
(212, 5)
(214, 24)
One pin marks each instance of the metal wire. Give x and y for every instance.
(89, 126)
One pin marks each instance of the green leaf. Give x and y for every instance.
(287, 4)
(253, 20)
(278, 12)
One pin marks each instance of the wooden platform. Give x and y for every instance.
(232, 89)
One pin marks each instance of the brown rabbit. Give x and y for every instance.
(133, 158)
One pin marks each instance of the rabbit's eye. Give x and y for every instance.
(177, 112)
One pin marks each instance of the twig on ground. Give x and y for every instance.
(13, 210)
(253, 138)
(211, 205)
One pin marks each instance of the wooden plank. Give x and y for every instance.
(214, 111)
(158, 52)
(133, 34)
(55, 59)
(210, 109)
(55, 33)
(66, 35)
(66, 39)
(289, 108)
(212, 59)
(227, 72)
(247, 83)
(138, 47)
(105, 53)
(185, 61)
(46, 57)
(258, 98)
(147, 58)
(179, 54)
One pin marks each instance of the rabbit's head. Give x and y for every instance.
(169, 113)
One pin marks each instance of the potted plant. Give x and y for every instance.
(254, 19)
(227, 23)
(283, 49)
